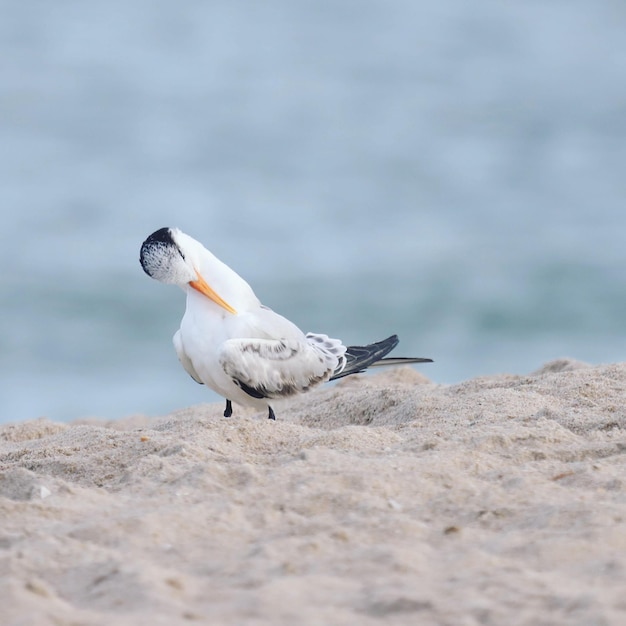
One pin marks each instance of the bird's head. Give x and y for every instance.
(171, 257)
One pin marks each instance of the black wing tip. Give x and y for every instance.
(359, 358)
(392, 339)
(382, 347)
(406, 359)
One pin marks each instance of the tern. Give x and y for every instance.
(238, 347)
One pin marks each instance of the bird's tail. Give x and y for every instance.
(359, 358)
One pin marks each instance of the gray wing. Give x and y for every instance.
(184, 359)
(359, 358)
(277, 368)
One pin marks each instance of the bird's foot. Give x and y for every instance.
(270, 415)
(228, 411)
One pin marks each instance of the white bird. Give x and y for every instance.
(236, 346)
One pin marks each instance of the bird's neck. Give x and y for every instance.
(228, 284)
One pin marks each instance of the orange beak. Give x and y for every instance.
(202, 286)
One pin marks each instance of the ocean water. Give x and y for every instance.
(454, 172)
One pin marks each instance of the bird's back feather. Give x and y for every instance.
(275, 368)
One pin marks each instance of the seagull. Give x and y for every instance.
(238, 347)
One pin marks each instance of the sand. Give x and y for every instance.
(384, 499)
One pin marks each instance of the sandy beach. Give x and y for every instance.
(383, 499)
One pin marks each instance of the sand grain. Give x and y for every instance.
(501, 500)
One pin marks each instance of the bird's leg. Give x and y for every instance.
(228, 411)
(270, 414)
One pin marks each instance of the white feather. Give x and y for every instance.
(185, 361)
(277, 368)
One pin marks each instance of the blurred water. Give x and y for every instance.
(451, 171)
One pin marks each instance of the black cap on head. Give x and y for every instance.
(163, 235)
(154, 248)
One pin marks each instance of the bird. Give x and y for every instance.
(237, 346)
